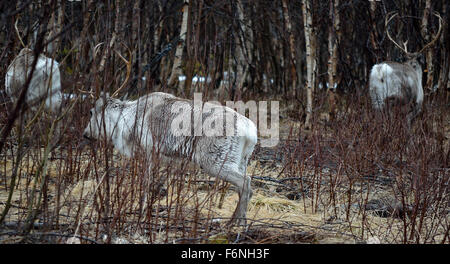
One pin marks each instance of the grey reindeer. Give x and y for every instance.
(393, 83)
(45, 82)
(151, 124)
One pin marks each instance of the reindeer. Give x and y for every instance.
(399, 84)
(147, 125)
(45, 82)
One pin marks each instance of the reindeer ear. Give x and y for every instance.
(25, 51)
(421, 59)
(102, 99)
(104, 95)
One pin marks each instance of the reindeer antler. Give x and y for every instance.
(97, 47)
(18, 34)
(128, 63)
(386, 24)
(90, 92)
(437, 35)
(391, 15)
(405, 46)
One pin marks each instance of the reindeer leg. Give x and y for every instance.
(146, 183)
(242, 182)
(245, 193)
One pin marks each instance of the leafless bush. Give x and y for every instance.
(363, 164)
(358, 175)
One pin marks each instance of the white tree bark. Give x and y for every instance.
(333, 36)
(176, 67)
(158, 29)
(244, 45)
(54, 28)
(310, 40)
(113, 38)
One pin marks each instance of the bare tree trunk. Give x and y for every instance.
(157, 36)
(429, 52)
(136, 21)
(54, 28)
(113, 38)
(374, 32)
(81, 41)
(191, 58)
(158, 29)
(444, 75)
(333, 38)
(176, 67)
(448, 86)
(243, 42)
(310, 40)
(292, 49)
(136, 37)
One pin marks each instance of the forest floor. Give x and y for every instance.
(301, 194)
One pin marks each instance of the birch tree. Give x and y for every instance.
(311, 64)
(333, 38)
(112, 41)
(54, 27)
(243, 42)
(191, 38)
(374, 36)
(158, 27)
(444, 75)
(176, 66)
(82, 39)
(426, 36)
(135, 36)
(292, 49)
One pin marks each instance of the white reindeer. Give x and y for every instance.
(45, 83)
(393, 83)
(147, 125)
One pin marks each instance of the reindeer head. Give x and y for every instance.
(104, 118)
(107, 110)
(413, 59)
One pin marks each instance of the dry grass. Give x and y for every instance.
(314, 187)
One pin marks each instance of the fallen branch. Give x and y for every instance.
(39, 234)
